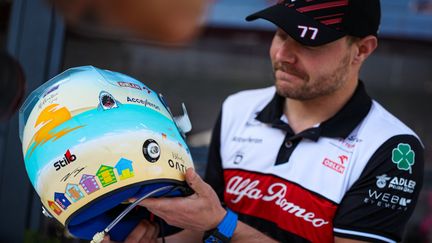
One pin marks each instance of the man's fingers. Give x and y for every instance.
(195, 181)
(153, 203)
(144, 230)
(136, 234)
(106, 239)
(151, 233)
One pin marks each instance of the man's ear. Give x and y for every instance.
(364, 47)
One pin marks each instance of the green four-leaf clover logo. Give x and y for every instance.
(403, 156)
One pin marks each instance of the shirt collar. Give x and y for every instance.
(340, 125)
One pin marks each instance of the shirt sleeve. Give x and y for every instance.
(378, 205)
(214, 172)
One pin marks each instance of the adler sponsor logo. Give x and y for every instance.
(402, 184)
(275, 193)
(396, 183)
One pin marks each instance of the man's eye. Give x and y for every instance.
(281, 34)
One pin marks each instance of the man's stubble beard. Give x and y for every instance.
(321, 86)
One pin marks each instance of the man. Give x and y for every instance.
(312, 158)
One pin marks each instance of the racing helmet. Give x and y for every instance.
(94, 138)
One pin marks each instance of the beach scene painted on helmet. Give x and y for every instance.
(96, 165)
(88, 132)
(101, 86)
(94, 125)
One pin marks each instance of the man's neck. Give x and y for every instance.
(304, 114)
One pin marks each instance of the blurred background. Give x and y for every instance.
(221, 55)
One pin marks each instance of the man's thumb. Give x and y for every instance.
(195, 181)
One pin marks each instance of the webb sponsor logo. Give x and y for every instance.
(387, 200)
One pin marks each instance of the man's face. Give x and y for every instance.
(303, 72)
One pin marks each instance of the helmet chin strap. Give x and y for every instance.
(98, 237)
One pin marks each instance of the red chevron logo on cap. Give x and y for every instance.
(323, 6)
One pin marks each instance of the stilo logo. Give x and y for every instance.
(67, 159)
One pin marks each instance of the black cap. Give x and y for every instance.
(317, 22)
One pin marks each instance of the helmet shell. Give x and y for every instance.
(88, 135)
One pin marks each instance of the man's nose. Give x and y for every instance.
(287, 51)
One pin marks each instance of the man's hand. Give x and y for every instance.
(199, 212)
(145, 231)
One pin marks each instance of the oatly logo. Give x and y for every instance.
(275, 193)
(67, 159)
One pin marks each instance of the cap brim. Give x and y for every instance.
(300, 27)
